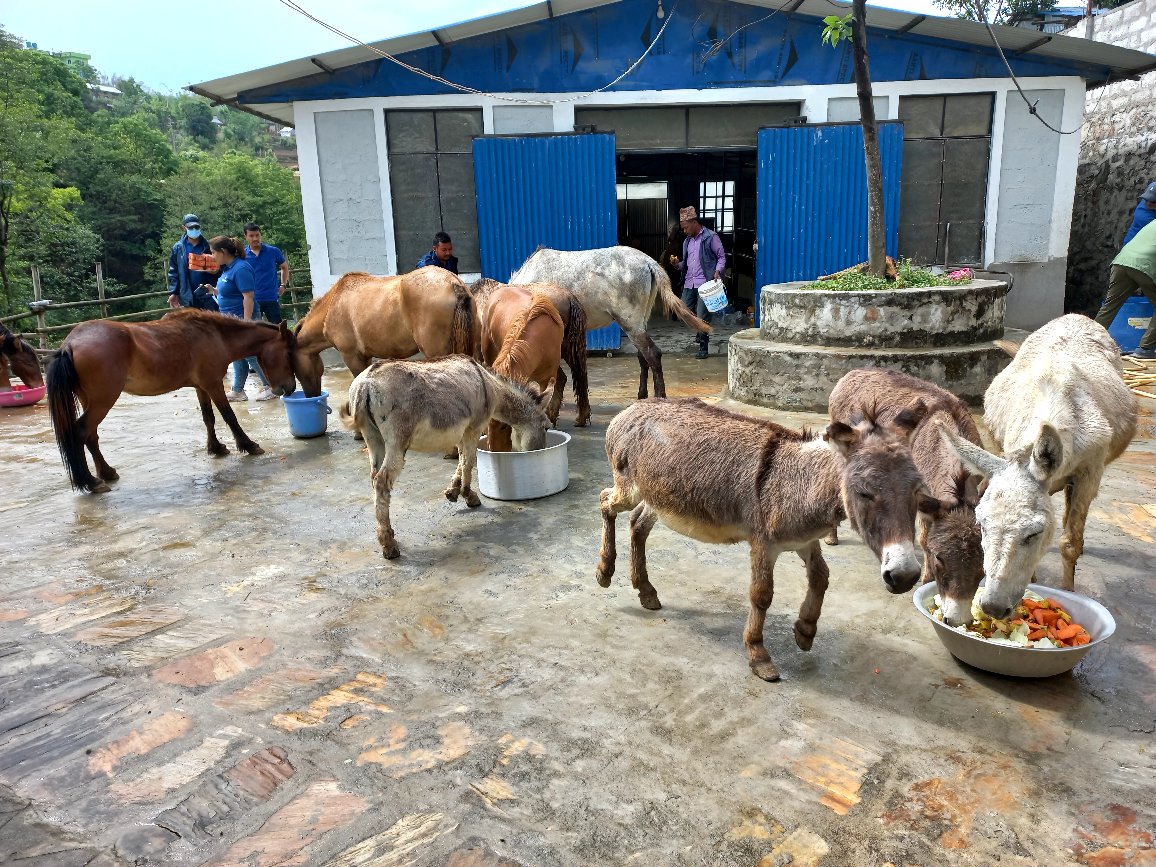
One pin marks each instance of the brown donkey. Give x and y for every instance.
(719, 477)
(101, 359)
(365, 317)
(430, 406)
(521, 339)
(950, 540)
(18, 353)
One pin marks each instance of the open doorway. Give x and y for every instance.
(721, 185)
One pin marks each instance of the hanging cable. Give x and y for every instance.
(718, 44)
(296, 7)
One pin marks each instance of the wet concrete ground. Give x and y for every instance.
(213, 664)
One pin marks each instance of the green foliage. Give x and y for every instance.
(998, 11)
(837, 28)
(909, 276)
(84, 180)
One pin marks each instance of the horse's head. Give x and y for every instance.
(22, 357)
(883, 491)
(307, 365)
(276, 359)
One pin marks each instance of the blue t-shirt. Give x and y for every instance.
(266, 271)
(1141, 218)
(235, 279)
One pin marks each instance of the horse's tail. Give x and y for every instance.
(574, 352)
(671, 303)
(462, 340)
(63, 382)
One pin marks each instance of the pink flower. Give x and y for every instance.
(960, 275)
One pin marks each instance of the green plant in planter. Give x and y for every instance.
(909, 277)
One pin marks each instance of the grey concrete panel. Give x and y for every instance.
(514, 119)
(1027, 178)
(845, 109)
(351, 191)
(1037, 291)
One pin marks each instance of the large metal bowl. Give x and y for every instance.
(1024, 661)
(525, 475)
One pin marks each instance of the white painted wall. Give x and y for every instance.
(1018, 145)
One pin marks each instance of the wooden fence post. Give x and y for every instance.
(37, 295)
(100, 290)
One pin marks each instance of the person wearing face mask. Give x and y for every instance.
(191, 267)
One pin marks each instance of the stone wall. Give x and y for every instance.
(1117, 156)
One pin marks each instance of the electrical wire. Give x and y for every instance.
(718, 44)
(296, 7)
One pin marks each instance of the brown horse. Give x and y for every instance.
(521, 339)
(101, 359)
(365, 317)
(21, 356)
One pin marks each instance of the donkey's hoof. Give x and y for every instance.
(451, 455)
(805, 634)
(604, 574)
(253, 449)
(650, 602)
(473, 500)
(391, 553)
(452, 495)
(357, 435)
(832, 538)
(766, 670)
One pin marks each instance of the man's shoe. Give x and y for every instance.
(266, 394)
(1145, 354)
(236, 396)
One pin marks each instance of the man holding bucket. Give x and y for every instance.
(702, 254)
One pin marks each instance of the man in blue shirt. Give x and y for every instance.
(270, 273)
(191, 265)
(1145, 212)
(442, 254)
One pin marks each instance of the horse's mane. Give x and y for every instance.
(514, 345)
(209, 320)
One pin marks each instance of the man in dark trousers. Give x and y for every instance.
(442, 254)
(703, 259)
(191, 265)
(1133, 269)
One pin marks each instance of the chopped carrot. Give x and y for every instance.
(1082, 638)
(1016, 621)
(1052, 603)
(1038, 615)
(1051, 616)
(1069, 632)
(1030, 604)
(1039, 633)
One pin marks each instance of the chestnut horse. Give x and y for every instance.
(188, 347)
(365, 317)
(521, 339)
(18, 353)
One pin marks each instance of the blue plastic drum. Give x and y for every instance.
(1131, 323)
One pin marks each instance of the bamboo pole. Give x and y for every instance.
(100, 290)
(37, 295)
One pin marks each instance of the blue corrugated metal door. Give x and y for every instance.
(545, 190)
(812, 202)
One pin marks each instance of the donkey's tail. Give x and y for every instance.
(671, 303)
(355, 411)
(63, 382)
(462, 340)
(1008, 346)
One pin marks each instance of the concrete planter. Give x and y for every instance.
(912, 318)
(808, 339)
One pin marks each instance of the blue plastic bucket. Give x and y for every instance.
(307, 415)
(1131, 323)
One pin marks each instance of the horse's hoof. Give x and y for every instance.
(254, 450)
(391, 553)
(603, 576)
(452, 495)
(99, 488)
(218, 451)
(766, 670)
(451, 456)
(582, 422)
(805, 634)
(357, 435)
(110, 475)
(650, 602)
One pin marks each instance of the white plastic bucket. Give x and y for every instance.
(713, 295)
(525, 475)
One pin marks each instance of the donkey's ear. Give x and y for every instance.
(973, 488)
(841, 437)
(910, 417)
(1047, 453)
(973, 457)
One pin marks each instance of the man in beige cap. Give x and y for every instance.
(702, 254)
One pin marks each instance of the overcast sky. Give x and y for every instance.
(169, 45)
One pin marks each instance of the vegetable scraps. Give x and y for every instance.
(1038, 621)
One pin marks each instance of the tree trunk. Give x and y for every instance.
(5, 212)
(876, 233)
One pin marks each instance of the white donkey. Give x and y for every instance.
(1061, 412)
(430, 406)
(614, 284)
